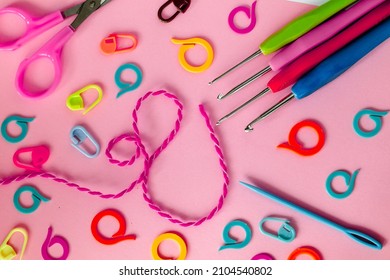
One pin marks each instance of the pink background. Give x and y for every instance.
(186, 179)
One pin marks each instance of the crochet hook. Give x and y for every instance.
(295, 29)
(291, 73)
(332, 67)
(354, 234)
(310, 40)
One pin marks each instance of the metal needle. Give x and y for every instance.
(249, 58)
(282, 102)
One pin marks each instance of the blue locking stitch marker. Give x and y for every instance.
(332, 67)
(78, 136)
(355, 235)
(286, 232)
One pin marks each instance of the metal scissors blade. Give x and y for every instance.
(85, 10)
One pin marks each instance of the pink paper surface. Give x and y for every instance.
(186, 180)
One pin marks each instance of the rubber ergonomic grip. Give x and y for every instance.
(291, 73)
(322, 33)
(302, 25)
(337, 64)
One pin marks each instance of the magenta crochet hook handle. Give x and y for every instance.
(34, 26)
(322, 33)
(51, 50)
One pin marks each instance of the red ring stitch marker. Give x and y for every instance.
(116, 237)
(297, 147)
(304, 251)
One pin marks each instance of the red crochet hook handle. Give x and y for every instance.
(291, 73)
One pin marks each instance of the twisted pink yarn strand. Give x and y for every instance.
(148, 161)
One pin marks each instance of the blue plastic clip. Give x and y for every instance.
(286, 232)
(78, 135)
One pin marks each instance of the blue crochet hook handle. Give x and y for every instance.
(356, 235)
(341, 61)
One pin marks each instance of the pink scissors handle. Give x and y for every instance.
(51, 50)
(34, 26)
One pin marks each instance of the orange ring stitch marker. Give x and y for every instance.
(116, 237)
(304, 251)
(172, 236)
(297, 147)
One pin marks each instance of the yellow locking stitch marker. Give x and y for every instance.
(75, 101)
(6, 250)
(188, 44)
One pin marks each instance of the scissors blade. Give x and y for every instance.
(86, 9)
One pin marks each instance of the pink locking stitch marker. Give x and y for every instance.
(39, 155)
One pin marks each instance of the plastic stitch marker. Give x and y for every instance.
(355, 235)
(188, 44)
(117, 237)
(250, 13)
(22, 122)
(78, 136)
(126, 87)
(181, 6)
(231, 243)
(286, 232)
(49, 241)
(304, 251)
(37, 198)
(376, 116)
(349, 180)
(296, 147)
(75, 101)
(172, 236)
(39, 155)
(263, 256)
(110, 44)
(7, 252)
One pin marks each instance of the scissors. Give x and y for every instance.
(53, 48)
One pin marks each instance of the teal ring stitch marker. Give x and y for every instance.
(376, 116)
(126, 87)
(36, 197)
(349, 180)
(22, 122)
(231, 243)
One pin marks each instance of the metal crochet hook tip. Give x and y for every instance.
(249, 58)
(220, 96)
(249, 128)
(281, 103)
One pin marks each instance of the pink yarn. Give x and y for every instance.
(148, 161)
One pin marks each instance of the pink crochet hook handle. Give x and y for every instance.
(52, 50)
(322, 33)
(34, 26)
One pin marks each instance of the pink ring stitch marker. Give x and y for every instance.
(39, 155)
(49, 241)
(294, 145)
(250, 13)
